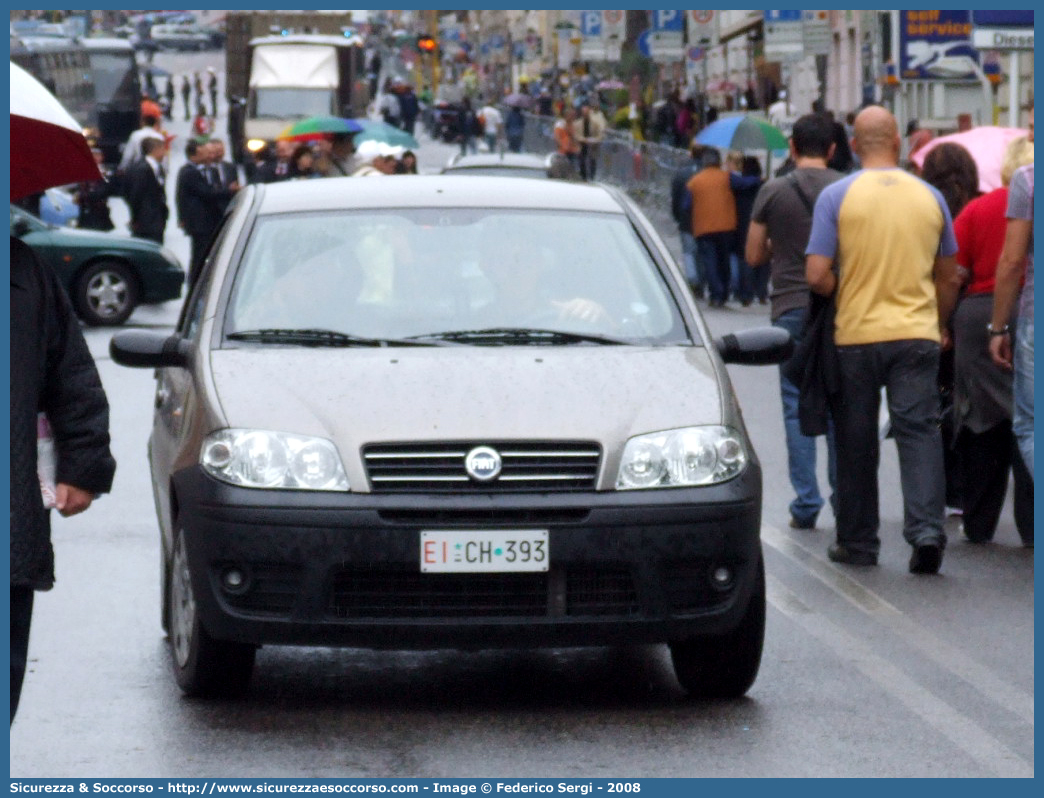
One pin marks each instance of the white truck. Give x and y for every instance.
(273, 80)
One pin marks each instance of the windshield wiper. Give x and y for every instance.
(509, 336)
(317, 337)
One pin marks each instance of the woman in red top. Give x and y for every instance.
(983, 392)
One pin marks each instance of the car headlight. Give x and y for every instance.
(260, 459)
(679, 457)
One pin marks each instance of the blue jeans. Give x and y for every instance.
(713, 249)
(1022, 422)
(743, 279)
(692, 264)
(909, 372)
(801, 449)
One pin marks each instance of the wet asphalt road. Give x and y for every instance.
(866, 672)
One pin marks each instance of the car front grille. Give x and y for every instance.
(370, 593)
(439, 467)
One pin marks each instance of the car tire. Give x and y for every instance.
(106, 293)
(164, 591)
(725, 665)
(203, 667)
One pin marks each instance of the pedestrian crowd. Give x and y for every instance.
(911, 284)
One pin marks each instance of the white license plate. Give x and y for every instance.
(484, 550)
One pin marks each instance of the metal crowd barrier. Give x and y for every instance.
(641, 168)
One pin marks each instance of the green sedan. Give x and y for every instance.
(107, 276)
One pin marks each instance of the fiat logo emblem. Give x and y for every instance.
(483, 463)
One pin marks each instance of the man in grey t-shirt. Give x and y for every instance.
(779, 229)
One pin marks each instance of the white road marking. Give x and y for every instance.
(967, 735)
(1018, 702)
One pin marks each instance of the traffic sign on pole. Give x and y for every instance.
(668, 19)
(702, 27)
(817, 38)
(614, 31)
(784, 37)
(614, 23)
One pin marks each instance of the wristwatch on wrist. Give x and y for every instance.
(1002, 331)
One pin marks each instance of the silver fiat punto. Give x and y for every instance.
(464, 412)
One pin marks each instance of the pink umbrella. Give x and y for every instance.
(985, 144)
(47, 145)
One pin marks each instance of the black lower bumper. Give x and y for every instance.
(344, 569)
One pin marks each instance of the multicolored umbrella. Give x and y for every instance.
(375, 130)
(985, 144)
(742, 133)
(47, 145)
(317, 127)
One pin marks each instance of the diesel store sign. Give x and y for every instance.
(1003, 38)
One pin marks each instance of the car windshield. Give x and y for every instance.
(115, 78)
(291, 103)
(456, 276)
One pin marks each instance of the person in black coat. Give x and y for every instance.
(186, 95)
(168, 112)
(51, 372)
(93, 198)
(200, 198)
(683, 218)
(145, 192)
(212, 90)
(409, 108)
(224, 173)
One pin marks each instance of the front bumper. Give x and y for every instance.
(344, 569)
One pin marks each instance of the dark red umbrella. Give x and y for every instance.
(47, 145)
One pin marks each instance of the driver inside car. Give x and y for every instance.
(524, 276)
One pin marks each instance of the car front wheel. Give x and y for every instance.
(106, 293)
(203, 666)
(725, 665)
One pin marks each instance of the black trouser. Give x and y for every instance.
(907, 369)
(152, 234)
(200, 246)
(21, 615)
(987, 458)
(588, 162)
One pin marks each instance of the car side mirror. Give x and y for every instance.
(20, 226)
(760, 346)
(148, 349)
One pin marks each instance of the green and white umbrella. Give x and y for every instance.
(742, 133)
(374, 130)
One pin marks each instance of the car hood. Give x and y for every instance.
(354, 396)
(74, 237)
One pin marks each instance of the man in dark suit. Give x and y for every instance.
(224, 174)
(277, 169)
(200, 198)
(145, 192)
